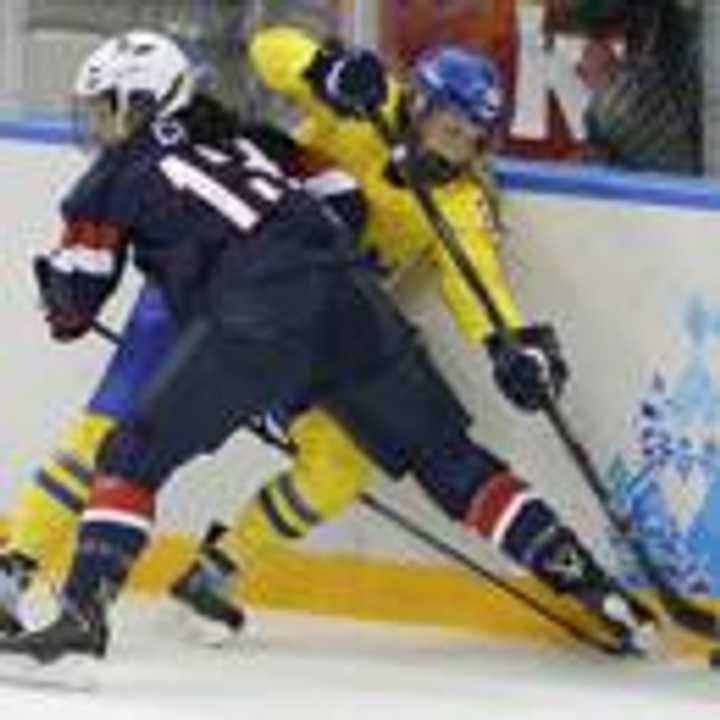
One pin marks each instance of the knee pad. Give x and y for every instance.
(330, 468)
(136, 449)
(402, 412)
(127, 452)
(329, 472)
(455, 473)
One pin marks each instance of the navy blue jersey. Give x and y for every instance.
(178, 205)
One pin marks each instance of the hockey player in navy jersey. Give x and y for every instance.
(50, 501)
(43, 520)
(272, 307)
(445, 115)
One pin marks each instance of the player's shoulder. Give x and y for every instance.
(147, 150)
(112, 184)
(274, 142)
(298, 159)
(87, 193)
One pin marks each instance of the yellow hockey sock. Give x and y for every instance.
(51, 501)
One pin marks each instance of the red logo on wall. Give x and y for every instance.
(549, 74)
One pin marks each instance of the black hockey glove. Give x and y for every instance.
(62, 314)
(352, 81)
(528, 366)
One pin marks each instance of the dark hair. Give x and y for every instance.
(208, 121)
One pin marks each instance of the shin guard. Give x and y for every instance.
(114, 529)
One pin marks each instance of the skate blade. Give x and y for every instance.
(647, 638)
(200, 632)
(643, 637)
(72, 673)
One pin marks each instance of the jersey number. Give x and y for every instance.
(264, 185)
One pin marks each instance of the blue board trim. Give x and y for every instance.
(528, 176)
(50, 130)
(597, 182)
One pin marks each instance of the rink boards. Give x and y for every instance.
(629, 271)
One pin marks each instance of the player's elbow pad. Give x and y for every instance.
(281, 55)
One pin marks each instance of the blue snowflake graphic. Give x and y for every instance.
(676, 429)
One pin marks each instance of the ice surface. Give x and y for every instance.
(296, 666)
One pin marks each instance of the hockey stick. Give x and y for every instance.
(686, 613)
(105, 332)
(395, 518)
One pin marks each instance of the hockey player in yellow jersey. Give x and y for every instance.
(302, 70)
(447, 117)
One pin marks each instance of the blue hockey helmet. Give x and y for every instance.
(460, 80)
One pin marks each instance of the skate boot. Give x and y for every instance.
(77, 631)
(564, 564)
(205, 589)
(16, 573)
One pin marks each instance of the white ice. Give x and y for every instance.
(297, 666)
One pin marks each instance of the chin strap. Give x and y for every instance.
(432, 167)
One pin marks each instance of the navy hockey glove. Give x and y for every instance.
(66, 321)
(528, 366)
(353, 81)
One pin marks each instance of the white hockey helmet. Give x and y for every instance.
(145, 73)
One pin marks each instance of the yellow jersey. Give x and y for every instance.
(396, 228)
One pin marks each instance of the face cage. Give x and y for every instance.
(422, 105)
(84, 127)
(487, 143)
(115, 128)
